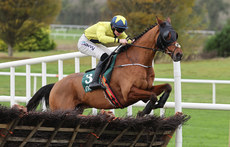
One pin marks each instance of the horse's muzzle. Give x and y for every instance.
(177, 57)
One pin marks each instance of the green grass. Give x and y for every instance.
(60, 40)
(206, 128)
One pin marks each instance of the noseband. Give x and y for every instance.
(177, 45)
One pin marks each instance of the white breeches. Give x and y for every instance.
(89, 48)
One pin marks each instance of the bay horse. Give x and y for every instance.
(130, 83)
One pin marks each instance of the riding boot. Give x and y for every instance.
(95, 83)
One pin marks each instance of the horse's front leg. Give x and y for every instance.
(140, 94)
(158, 89)
(144, 95)
(149, 107)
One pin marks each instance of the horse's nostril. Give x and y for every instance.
(178, 56)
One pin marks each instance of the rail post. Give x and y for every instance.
(213, 93)
(60, 69)
(94, 64)
(28, 83)
(43, 82)
(12, 86)
(178, 107)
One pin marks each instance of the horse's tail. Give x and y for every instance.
(38, 96)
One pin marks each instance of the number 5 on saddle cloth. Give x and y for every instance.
(104, 80)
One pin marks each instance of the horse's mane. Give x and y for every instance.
(145, 31)
(123, 48)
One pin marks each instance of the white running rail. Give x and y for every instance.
(178, 105)
(42, 60)
(76, 56)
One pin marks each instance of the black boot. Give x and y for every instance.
(95, 83)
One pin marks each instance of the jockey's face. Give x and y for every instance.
(117, 33)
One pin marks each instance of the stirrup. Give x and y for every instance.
(95, 85)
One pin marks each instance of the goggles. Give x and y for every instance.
(120, 30)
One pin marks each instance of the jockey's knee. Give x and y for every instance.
(104, 56)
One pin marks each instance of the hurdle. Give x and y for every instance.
(67, 128)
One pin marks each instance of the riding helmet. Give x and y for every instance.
(119, 21)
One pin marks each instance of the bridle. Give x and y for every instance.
(177, 46)
(165, 50)
(154, 49)
(162, 46)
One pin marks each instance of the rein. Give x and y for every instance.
(163, 48)
(154, 49)
(138, 64)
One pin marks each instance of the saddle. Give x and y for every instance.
(107, 72)
(104, 80)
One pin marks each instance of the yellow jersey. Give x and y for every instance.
(102, 32)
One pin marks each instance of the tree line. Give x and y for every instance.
(22, 18)
(81, 12)
(87, 12)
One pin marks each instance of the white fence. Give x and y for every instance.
(64, 28)
(168, 104)
(178, 105)
(61, 26)
(65, 35)
(62, 31)
(76, 56)
(203, 32)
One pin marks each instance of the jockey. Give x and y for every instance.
(93, 40)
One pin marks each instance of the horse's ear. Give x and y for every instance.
(169, 20)
(159, 21)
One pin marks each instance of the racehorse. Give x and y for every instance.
(130, 83)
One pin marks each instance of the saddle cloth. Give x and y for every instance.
(104, 80)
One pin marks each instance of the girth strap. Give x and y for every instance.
(134, 64)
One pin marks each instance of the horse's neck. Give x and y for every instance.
(141, 55)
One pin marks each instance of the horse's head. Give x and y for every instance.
(167, 40)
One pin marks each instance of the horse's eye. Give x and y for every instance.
(166, 35)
